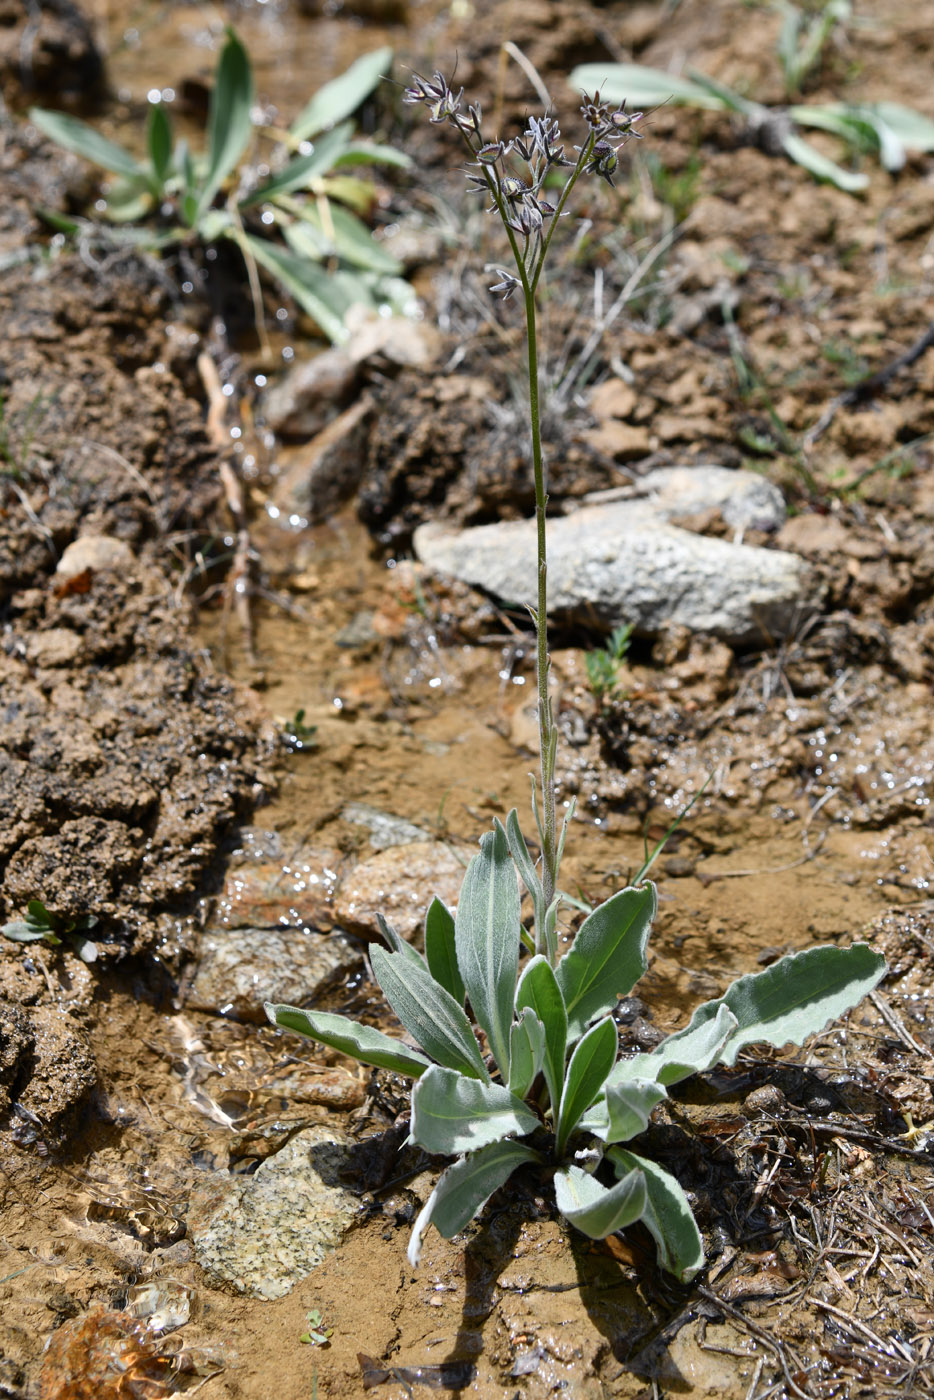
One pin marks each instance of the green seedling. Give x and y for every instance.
(318, 1335)
(512, 1044)
(803, 38)
(299, 735)
(602, 664)
(884, 129)
(301, 222)
(39, 926)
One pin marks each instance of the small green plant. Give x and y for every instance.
(299, 735)
(318, 1335)
(803, 38)
(300, 222)
(602, 664)
(531, 1076)
(885, 129)
(39, 926)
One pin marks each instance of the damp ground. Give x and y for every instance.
(203, 783)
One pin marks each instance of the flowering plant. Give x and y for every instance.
(515, 1061)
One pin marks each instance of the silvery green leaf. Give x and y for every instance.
(486, 932)
(525, 865)
(159, 142)
(794, 998)
(82, 140)
(625, 1110)
(667, 1214)
(350, 238)
(229, 123)
(586, 1075)
(22, 931)
(607, 957)
(342, 96)
(640, 86)
(397, 944)
(597, 1210)
(440, 950)
(465, 1187)
(301, 172)
(526, 1052)
(696, 1048)
(364, 1043)
(805, 155)
(314, 289)
(429, 1013)
(452, 1114)
(913, 129)
(538, 989)
(369, 153)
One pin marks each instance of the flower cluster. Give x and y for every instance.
(514, 173)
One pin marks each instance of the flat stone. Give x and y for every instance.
(744, 499)
(240, 969)
(385, 829)
(623, 562)
(309, 394)
(399, 883)
(283, 893)
(262, 1234)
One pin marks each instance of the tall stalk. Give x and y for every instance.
(514, 175)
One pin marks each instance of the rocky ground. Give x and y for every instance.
(232, 737)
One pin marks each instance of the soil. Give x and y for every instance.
(191, 700)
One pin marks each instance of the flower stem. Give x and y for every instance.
(546, 728)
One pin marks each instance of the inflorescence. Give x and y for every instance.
(514, 172)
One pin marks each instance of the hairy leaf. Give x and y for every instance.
(586, 1075)
(451, 1114)
(440, 949)
(159, 142)
(465, 1187)
(538, 989)
(300, 172)
(794, 998)
(362, 1042)
(821, 166)
(624, 1111)
(342, 96)
(638, 85)
(525, 865)
(486, 933)
(607, 957)
(597, 1210)
(350, 238)
(526, 1052)
(229, 124)
(82, 140)
(667, 1214)
(315, 290)
(428, 1012)
(696, 1048)
(397, 944)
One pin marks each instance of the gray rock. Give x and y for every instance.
(621, 562)
(399, 883)
(744, 499)
(241, 968)
(262, 1234)
(385, 829)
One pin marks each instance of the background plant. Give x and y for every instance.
(884, 129)
(40, 926)
(301, 223)
(531, 1077)
(602, 664)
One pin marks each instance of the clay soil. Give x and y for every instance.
(151, 748)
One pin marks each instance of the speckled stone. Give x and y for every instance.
(244, 967)
(399, 883)
(262, 1234)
